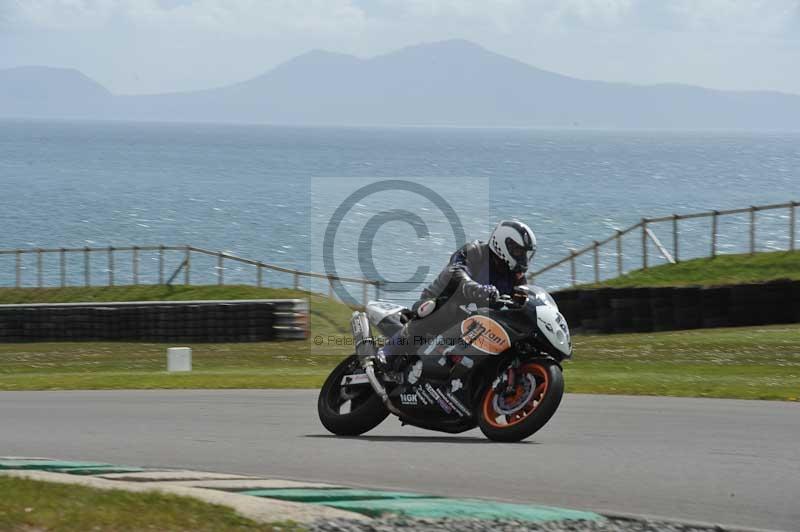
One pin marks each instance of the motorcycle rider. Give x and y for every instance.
(479, 272)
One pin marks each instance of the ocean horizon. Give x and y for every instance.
(249, 189)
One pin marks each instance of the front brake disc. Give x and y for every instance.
(501, 406)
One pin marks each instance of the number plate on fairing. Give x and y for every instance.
(357, 378)
(378, 310)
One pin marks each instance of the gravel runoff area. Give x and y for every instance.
(611, 524)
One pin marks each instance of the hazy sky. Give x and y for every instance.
(139, 46)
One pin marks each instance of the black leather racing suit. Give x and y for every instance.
(467, 278)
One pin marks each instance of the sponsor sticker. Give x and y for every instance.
(446, 398)
(443, 404)
(485, 334)
(459, 405)
(424, 397)
(408, 399)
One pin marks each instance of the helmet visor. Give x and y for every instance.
(519, 253)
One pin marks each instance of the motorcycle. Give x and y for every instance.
(498, 369)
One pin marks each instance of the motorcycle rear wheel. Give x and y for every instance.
(366, 410)
(537, 394)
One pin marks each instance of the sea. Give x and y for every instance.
(402, 198)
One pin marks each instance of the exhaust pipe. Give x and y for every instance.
(365, 344)
(369, 369)
(367, 352)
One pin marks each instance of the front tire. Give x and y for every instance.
(349, 410)
(511, 418)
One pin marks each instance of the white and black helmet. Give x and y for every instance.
(514, 243)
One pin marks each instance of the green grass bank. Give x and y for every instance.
(720, 270)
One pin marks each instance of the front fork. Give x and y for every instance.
(507, 381)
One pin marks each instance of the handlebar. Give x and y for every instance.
(507, 301)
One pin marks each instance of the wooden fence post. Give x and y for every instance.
(62, 266)
(87, 279)
(161, 264)
(135, 265)
(259, 275)
(619, 253)
(714, 234)
(644, 243)
(752, 230)
(596, 261)
(296, 280)
(792, 225)
(220, 274)
(110, 266)
(675, 238)
(18, 269)
(365, 287)
(330, 289)
(572, 267)
(187, 272)
(39, 268)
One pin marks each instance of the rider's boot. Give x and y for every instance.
(390, 355)
(398, 348)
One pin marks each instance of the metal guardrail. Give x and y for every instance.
(674, 256)
(184, 269)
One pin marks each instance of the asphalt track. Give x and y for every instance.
(724, 461)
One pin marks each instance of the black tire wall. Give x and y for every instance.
(622, 310)
(156, 321)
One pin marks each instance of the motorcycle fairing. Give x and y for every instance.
(385, 316)
(554, 327)
(439, 380)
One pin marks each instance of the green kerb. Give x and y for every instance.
(375, 503)
(329, 495)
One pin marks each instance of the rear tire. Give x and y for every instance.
(367, 411)
(518, 426)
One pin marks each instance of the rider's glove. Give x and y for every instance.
(487, 294)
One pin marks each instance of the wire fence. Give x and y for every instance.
(614, 255)
(163, 265)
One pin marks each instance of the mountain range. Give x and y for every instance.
(453, 83)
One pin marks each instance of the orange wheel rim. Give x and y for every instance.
(491, 415)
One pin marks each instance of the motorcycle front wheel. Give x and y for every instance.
(349, 410)
(513, 415)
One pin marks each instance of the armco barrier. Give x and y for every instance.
(157, 321)
(619, 310)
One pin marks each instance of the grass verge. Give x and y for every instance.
(744, 363)
(721, 270)
(29, 505)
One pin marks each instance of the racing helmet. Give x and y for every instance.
(514, 243)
